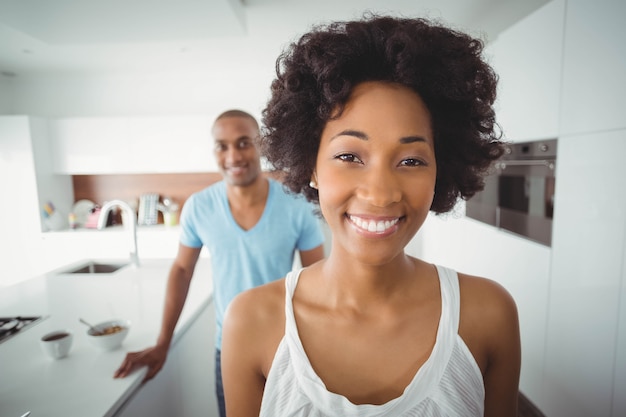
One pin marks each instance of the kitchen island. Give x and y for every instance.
(82, 384)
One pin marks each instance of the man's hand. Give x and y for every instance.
(153, 357)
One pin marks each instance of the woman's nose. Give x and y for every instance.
(380, 188)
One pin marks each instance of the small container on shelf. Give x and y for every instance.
(71, 218)
(52, 219)
(169, 208)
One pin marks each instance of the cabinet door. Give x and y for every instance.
(132, 145)
(171, 144)
(90, 145)
(158, 397)
(195, 354)
(594, 78)
(19, 213)
(587, 271)
(527, 59)
(185, 387)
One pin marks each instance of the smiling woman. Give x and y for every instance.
(376, 171)
(379, 121)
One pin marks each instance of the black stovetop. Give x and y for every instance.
(10, 326)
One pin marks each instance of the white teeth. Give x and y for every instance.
(236, 169)
(372, 225)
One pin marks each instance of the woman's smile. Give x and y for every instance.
(379, 227)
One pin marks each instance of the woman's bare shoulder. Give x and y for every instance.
(257, 306)
(253, 326)
(489, 321)
(489, 325)
(484, 293)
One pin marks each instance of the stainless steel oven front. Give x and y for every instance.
(519, 194)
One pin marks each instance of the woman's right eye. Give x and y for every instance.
(348, 157)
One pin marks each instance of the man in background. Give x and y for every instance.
(251, 227)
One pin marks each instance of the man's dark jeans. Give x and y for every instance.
(219, 387)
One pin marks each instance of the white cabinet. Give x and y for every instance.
(594, 78)
(196, 372)
(157, 397)
(128, 145)
(527, 58)
(26, 184)
(19, 213)
(89, 145)
(586, 336)
(589, 234)
(170, 144)
(185, 387)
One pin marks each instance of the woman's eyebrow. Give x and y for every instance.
(411, 139)
(363, 136)
(349, 132)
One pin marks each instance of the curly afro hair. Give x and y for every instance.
(316, 75)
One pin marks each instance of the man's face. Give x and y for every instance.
(236, 150)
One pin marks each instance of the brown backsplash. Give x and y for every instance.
(128, 187)
(101, 188)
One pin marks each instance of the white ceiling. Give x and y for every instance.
(45, 36)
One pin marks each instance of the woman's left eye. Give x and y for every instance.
(411, 162)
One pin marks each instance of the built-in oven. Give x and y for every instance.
(519, 194)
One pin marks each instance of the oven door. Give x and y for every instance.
(518, 197)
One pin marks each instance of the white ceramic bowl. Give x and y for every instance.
(109, 341)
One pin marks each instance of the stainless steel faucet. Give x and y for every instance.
(128, 216)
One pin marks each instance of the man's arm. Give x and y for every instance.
(176, 293)
(309, 257)
(178, 283)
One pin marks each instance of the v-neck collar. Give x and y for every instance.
(266, 209)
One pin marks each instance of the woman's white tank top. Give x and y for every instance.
(449, 383)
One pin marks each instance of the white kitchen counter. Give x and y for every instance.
(82, 384)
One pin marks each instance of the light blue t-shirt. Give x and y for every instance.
(242, 259)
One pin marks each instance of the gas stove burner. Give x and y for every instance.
(10, 326)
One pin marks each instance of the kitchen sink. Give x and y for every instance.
(93, 267)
